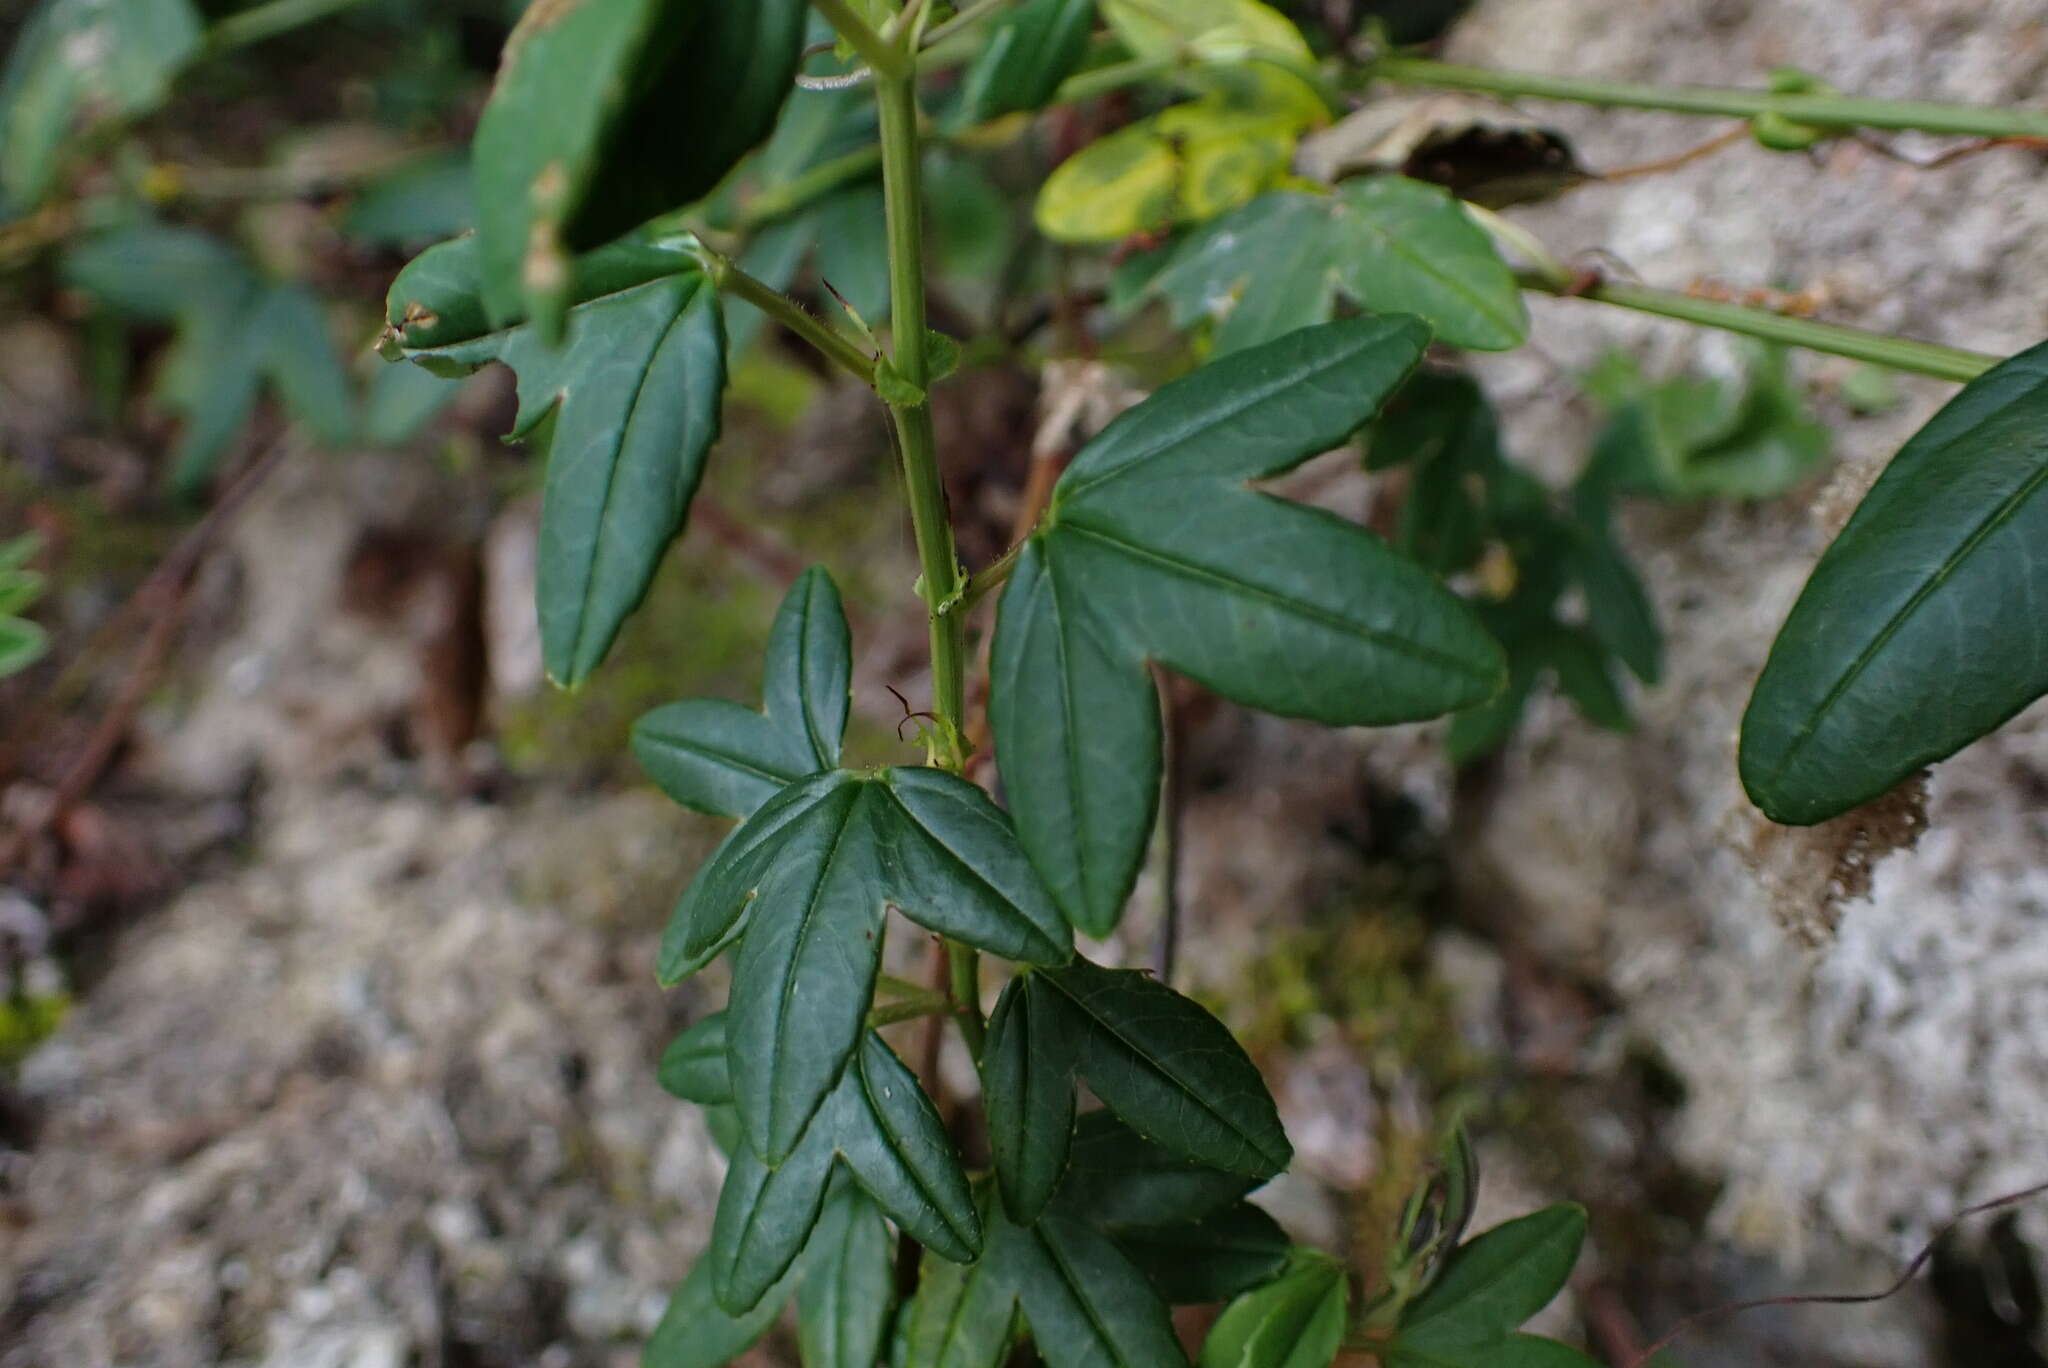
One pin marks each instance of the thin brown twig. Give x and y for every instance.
(165, 598)
(1685, 158)
(1954, 154)
(1897, 1285)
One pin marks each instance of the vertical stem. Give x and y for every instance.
(930, 522)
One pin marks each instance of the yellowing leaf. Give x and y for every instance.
(1182, 165)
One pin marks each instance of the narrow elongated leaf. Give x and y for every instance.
(1085, 1302)
(576, 145)
(22, 644)
(805, 969)
(696, 1332)
(1210, 1260)
(1030, 50)
(1028, 1092)
(633, 398)
(693, 1067)
(717, 757)
(1390, 244)
(1169, 1070)
(811, 873)
(1295, 1321)
(963, 1316)
(849, 1285)
(1514, 1351)
(1496, 1281)
(625, 409)
(1922, 627)
(885, 1131)
(76, 63)
(1087, 1306)
(1152, 543)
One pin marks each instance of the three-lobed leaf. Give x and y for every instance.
(1920, 629)
(717, 757)
(803, 885)
(1389, 244)
(879, 1125)
(1154, 549)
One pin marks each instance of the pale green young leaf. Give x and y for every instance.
(1496, 1281)
(1295, 1321)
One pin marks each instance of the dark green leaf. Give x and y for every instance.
(1121, 1181)
(720, 758)
(1210, 1260)
(158, 273)
(1028, 1092)
(1691, 437)
(1579, 664)
(1085, 1302)
(1030, 50)
(634, 400)
(694, 1068)
(578, 144)
(77, 63)
(696, 1332)
(1921, 628)
(1153, 548)
(1087, 1305)
(1169, 1070)
(626, 409)
(849, 1285)
(814, 870)
(963, 1316)
(879, 1123)
(1295, 1321)
(1514, 1351)
(1494, 1283)
(1391, 244)
(1618, 609)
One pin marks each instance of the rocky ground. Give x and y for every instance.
(374, 1086)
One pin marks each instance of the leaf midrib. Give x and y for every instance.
(1314, 613)
(1193, 1094)
(2009, 507)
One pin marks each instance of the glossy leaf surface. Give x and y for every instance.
(813, 872)
(1028, 1093)
(1923, 627)
(1495, 1282)
(576, 144)
(849, 1285)
(1168, 1069)
(1295, 1321)
(717, 757)
(1389, 244)
(1085, 1304)
(625, 408)
(885, 1131)
(1154, 549)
